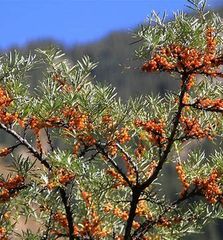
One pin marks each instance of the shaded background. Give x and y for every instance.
(76, 21)
(101, 29)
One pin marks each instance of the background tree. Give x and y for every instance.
(95, 163)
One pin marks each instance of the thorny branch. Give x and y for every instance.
(137, 191)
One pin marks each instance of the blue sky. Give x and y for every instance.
(75, 21)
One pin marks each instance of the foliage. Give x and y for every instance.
(95, 163)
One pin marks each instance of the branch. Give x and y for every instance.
(46, 234)
(35, 153)
(149, 223)
(172, 135)
(209, 109)
(24, 142)
(136, 192)
(49, 141)
(114, 164)
(68, 213)
(130, 160)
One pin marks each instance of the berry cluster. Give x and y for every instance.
(87, 197)
(190, 81)
(116, 211)
(86, 139)
(5, 100)
(64, 176)
(140, 150)
(11, 187)
(193, 129)
(79, 122)
(5, 151)
(211, 45)
(76, 148)
(107, 120)
(123, 135)
(92, 225)
(155, 130)
(119, 181)
(89, 227)
(76, 119)
(164, 222)
(61, 219)
(209, 104)
(3, 234)
(180, 58)
(127, 163)
(61, 176)
(5, 117)
(150, 169)
(183, 178)
(143, 210)
(112, 148)
(210, 186)
(158, 62)
(37, 124)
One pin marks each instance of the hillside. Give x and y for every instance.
(117, 64)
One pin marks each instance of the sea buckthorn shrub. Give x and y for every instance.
(93, 165)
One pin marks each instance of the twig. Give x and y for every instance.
(24, 142)
(113, 163)
(130, 160)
